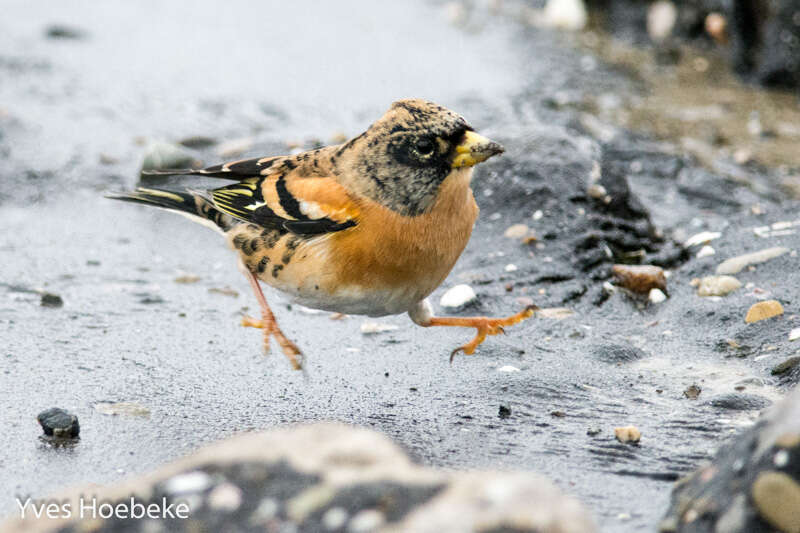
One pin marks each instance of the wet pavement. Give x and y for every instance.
(76, 115)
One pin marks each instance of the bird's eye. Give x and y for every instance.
(424, 146)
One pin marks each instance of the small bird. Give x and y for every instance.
(368, 227)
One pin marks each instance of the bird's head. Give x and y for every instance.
(404, 157)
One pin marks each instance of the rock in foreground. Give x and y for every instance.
(329, 477)
(751, 486)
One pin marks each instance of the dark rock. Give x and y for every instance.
(197, 142)
(504, 411)
(59, 423)
(617, 353)
(692, 392)
(738, 401)
(752, 485)
(51, 300)
(786, 366)
(59, 31)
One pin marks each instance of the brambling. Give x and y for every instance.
(368, 227)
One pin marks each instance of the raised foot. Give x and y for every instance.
(271, 329)
(487, 326)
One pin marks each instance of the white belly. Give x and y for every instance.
(357, 301)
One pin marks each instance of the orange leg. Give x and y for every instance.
(484, 325)
(270, 326)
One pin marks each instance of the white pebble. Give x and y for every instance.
(565, 14)
(537, 215)
(661, 18)
(734, 265)
(225, 497)
(702, 238)
(334, 518)
(794, 334)
(717, 285)
(511, 268)
(517, 231)
(458, 296)
(705, 251)
(366, 520)
(190, 482)
(371, 328)
(656, 296)
(508, 368)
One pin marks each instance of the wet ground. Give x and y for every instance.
(76, 116)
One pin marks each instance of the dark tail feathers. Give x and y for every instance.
(182, 202)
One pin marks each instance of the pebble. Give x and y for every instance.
(234, 147)
(366, 520)
(225, 497)
(511, 268)
(189, 482)
(777, 497)
(517, 231)
(734, 265)
(121, 409)
(565, 14)
(763, 310)
(738, 401)
(661, 18)
(537, 215)
(371, 328)
(656, 296)
(794, 334)
(334, 518)
(458, 296)
(225, 291)
(716, 27)
(60, 31)
(556, 313)
(504, 411)
(51, 300)
(508, 368)
(197, 141)
(162, 155)
(692, 392)
(785, 366)
(187, 278)
(640, 278)
(705, 251)
(627, 434)
(702, 238)
(717, 285)
(57, 422)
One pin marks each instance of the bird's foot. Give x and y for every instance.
(271, 329)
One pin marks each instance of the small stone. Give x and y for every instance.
(197, 141)
(537, 215)
(692, 392)
(225, 497)
(366, 520)
(776, 495)
(661, 18)
(51, 300)
(763, 310)
(187, 278)
(656, 296)
(59, 423)
(627, 434)
(60, 31)
(737, 401)
(334, 518)
(234, 147)
(558, 414)
(640, 278)
(555, 313)
(458, 296)
(717, 285)
(592, 432)
(225, 291)
(794, 334)
(705, 251)
(371, 328)
(565, 14)
(121, 409)
(734, 265)
(517, 231)
(702, 238)
(511, 268)
(162, 155)
(742, 156)
(187, 483)
(596, 191)
(716, 26)
(504, 411)
(508, 368)
(785, 366)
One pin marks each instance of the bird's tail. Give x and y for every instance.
(189, 204)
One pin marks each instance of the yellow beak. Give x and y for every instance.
(473, 149)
